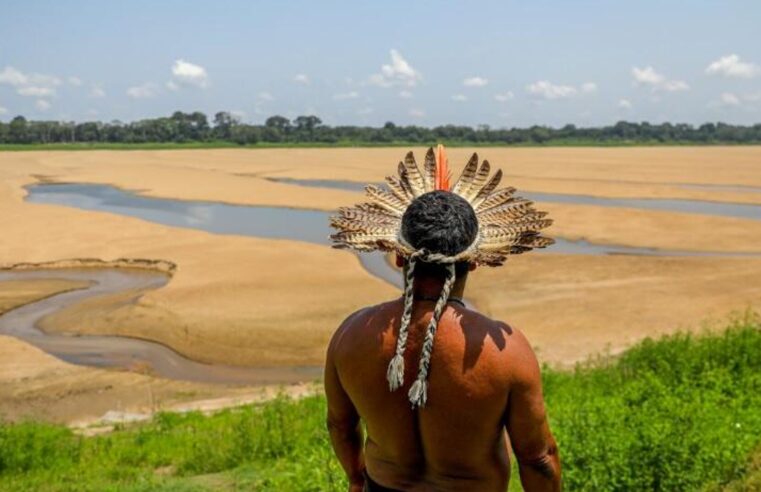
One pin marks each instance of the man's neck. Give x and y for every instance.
(430, 287)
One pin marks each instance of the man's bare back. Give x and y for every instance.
(484, 380)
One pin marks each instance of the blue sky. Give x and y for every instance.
(499, 63)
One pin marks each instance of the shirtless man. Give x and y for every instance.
(483, 384)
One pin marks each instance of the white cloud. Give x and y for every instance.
(97, 92)
(400, 68)
(365, 111)
(504, 97)
(548, 90)
(265, 96)
(301, 78)
(346, 95)
(475, 82)
(143, 91)
(31, 85)
(405, 94)
(675, 86)
(459, 98)
(74, 81)
(3, 110)
(416, 113)
(755, 97)
(185, 73)
(649, 77)
(13, 77)
(729, 99)
(34, 91)
(624, 104)
(172, 85)
(732, 66)
(42, 105)
(398, 72)
(16, 78)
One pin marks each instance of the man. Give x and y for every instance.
(448, 431)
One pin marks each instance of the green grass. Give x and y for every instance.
(679, 413)
(343, 144)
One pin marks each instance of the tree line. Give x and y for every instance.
(224, 127)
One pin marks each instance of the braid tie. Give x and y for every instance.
(395, 372)
(418, 393)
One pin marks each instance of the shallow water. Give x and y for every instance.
(721, 187)
(722, 209)
(118, 351)
(310, 226)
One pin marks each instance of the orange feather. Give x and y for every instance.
(441, 180)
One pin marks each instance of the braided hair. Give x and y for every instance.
(440, 226)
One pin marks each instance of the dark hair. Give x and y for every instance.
(441, 222)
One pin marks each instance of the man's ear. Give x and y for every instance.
(399, 261)
(472, 266)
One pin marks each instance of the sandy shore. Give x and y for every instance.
(573, 306)
(15, 293)
(255, 301)
(36, 385)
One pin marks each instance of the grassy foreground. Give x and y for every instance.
(679, 413)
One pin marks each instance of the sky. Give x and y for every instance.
(497, 63)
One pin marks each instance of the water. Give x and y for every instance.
(722, 209)
(721, 187)
(270, 222)
(118, 351)
(310, 226)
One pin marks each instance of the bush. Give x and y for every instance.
(672, 414)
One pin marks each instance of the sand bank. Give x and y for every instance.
(252, 301)
(36, 385)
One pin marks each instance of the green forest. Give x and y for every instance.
(225, 129)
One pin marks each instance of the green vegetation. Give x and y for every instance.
(680, 413)
(216, 144)
(672, 414)
(193, 130)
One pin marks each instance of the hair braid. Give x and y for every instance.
(419, 390)
(395, 372)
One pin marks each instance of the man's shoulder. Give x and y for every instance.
(508, 342)
(357, 319)
(363, 313)
(475, 321)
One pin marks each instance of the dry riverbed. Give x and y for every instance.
(253, 301)
(36, 385)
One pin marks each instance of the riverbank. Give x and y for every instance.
(692, 398)
(36, 386)
(16, 293)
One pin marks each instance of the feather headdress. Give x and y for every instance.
(507, 224)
